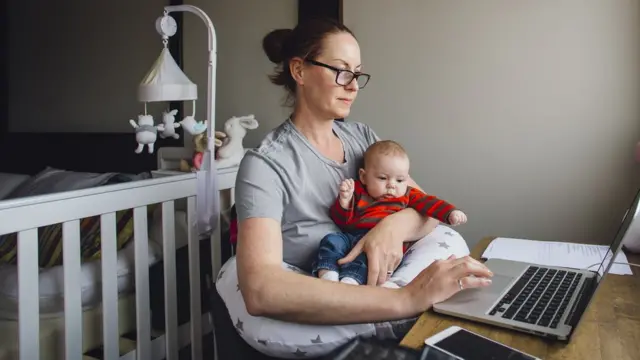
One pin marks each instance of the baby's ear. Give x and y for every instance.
(361, 174)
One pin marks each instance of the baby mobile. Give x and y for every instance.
(165, 82)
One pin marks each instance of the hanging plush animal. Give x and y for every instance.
(170, 126)
(146, 132)
(192, 126)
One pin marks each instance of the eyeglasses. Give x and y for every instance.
(344, 77)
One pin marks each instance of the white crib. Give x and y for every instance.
(25, 215)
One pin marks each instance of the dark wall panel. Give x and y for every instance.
(4, 68)
(92, 152)
(319, 8)
(61, 150)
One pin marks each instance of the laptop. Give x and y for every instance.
(546, 301)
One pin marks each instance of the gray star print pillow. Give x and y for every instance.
(297, 341)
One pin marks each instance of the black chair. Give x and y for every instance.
(230, 346)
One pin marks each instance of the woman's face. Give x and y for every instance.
(322, 94)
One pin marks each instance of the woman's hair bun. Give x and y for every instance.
(273, 44)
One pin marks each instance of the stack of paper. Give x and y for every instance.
(551, 253)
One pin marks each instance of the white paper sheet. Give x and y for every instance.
(551, 253)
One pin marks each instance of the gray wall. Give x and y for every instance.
(243, 86)
(525, 114)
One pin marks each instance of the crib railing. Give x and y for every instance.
(24, 216)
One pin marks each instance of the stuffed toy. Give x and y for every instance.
(193, 127)
(220, 139)
(146, 132)
(169, 125)
(200, 144)
(232, 151)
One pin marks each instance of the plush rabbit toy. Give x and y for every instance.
(228, 144)
(232, 151)
(170, 125)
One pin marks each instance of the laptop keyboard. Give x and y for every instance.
(540, 297)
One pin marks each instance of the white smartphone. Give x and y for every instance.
(466, 345)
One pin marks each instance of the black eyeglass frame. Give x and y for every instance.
(354, 76)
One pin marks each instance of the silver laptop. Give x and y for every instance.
(543, 300)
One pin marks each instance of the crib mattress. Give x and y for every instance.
(51, 281)
(51, 284)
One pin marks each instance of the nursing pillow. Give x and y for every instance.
(294, 341)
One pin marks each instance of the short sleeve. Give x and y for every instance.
(259, 191)
(369, 135)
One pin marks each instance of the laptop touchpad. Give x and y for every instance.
(498, 284)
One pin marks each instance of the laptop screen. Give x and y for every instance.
(628, 229)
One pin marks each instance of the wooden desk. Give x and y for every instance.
(609, 329)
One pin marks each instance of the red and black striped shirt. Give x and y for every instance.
(365, 212)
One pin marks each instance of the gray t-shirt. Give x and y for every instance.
(287, 179)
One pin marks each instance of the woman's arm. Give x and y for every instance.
(271, 291)
(384, 243)
(418, 225)
(407, 225)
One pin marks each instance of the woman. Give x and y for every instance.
(285, 187)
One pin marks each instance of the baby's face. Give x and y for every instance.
(386, 176)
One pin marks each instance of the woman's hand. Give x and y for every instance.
(384, 253)
(444, 278)
(383, 243)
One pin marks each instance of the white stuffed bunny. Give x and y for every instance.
(146, 132)
(169, 125)
(232, 151)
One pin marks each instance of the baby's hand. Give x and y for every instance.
(346, 192)
(457, 217)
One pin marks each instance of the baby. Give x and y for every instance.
(382, 190)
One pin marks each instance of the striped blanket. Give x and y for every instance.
(50, 237)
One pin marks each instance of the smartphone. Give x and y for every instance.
(466, 345)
